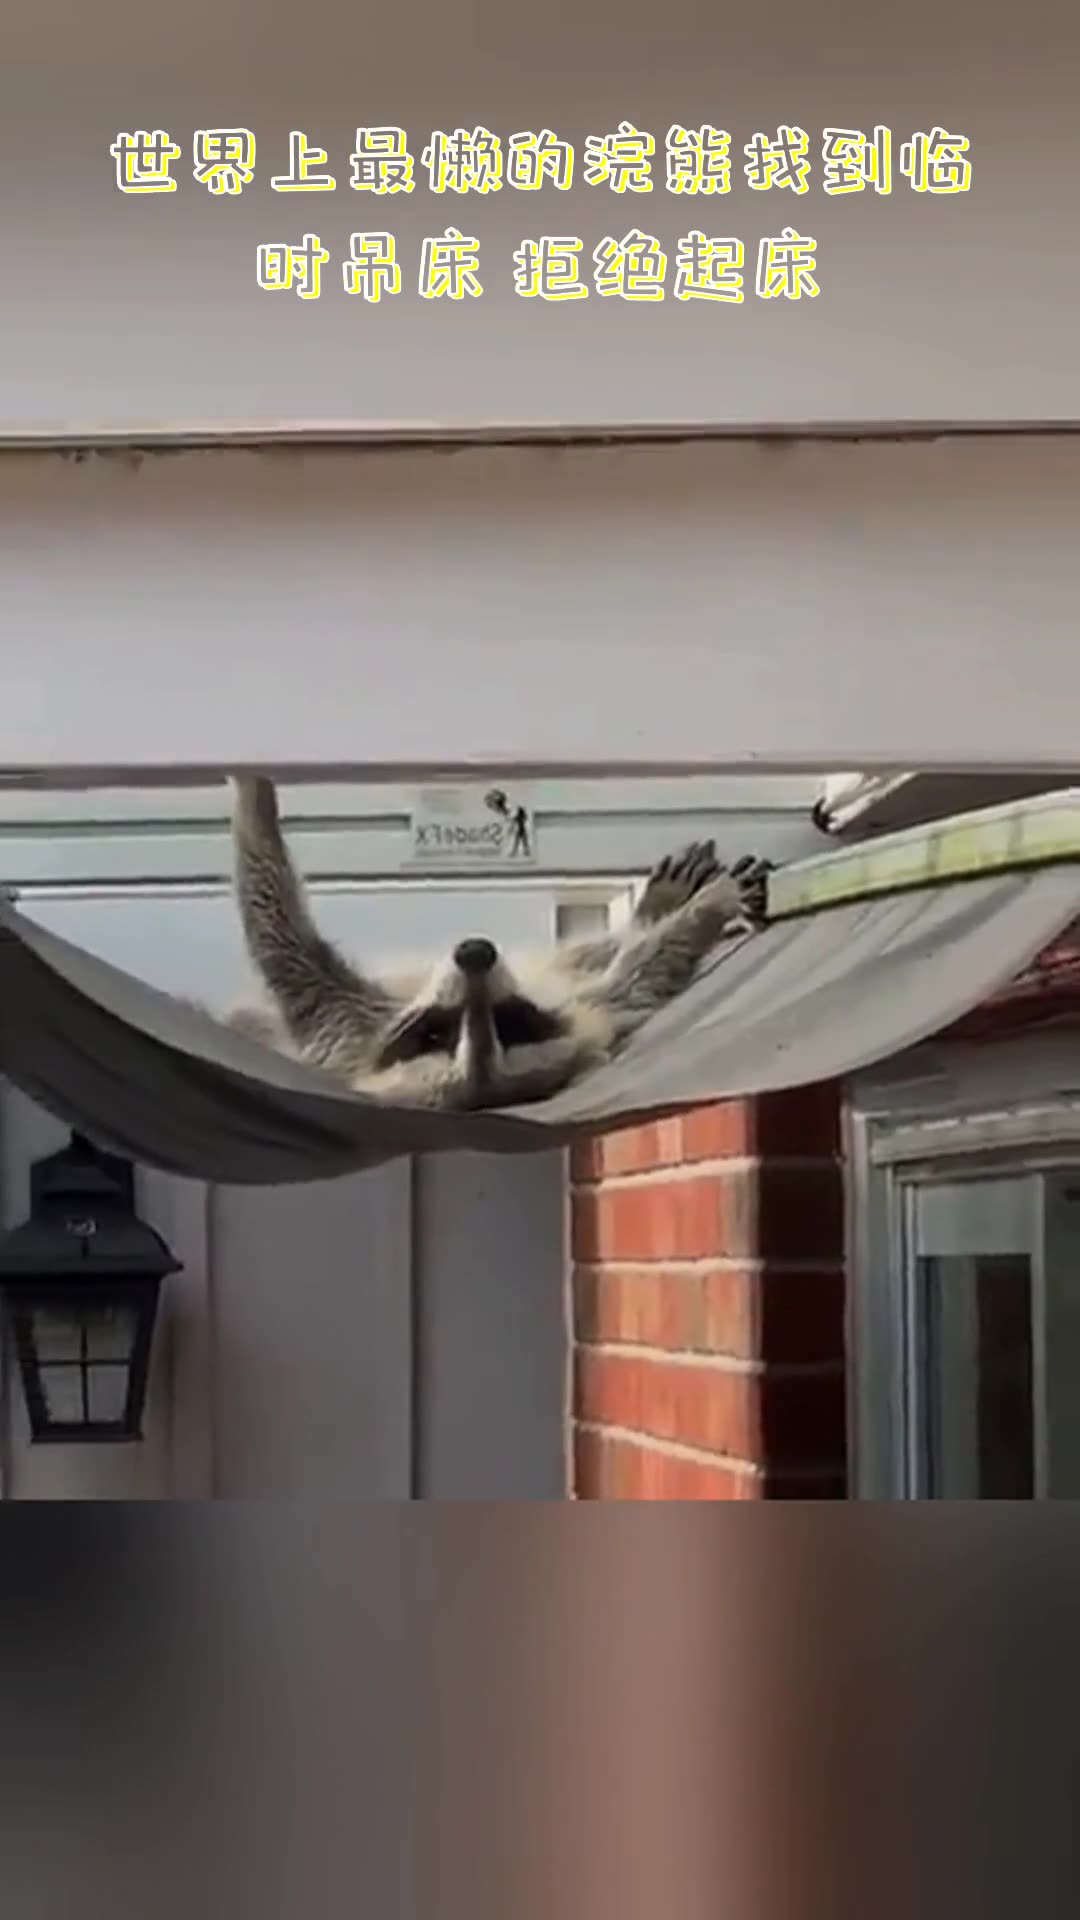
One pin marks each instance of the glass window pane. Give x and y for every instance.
(974, 1216)
(1061, 1358)
(107, 1392)
(581, 919)
(62, 1388)
(57, 1333)
(976, 1323)
(110, 1332)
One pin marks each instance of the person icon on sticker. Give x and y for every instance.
(519, 838)
(516, 818)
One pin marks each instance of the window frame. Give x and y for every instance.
(617, 897)
(941, 1113)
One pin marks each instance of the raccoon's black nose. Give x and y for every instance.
(475, 956)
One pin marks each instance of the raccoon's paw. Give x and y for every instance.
(734, 902)
(676, 879)
(751, 876)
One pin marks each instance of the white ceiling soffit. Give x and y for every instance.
(164, 435)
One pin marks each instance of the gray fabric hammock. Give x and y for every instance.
(807, 999)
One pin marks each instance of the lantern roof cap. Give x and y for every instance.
(82, 1223)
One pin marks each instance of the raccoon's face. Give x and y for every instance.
(477, 1037)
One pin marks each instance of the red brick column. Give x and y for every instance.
(708, 1305)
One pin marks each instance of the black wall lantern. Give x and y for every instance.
(81, 1278)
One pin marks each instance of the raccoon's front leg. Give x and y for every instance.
(654, 969)
(673, 881)
(324, 1003)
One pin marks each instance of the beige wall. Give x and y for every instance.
(735, 604)
(351, 1340)
(120, 309)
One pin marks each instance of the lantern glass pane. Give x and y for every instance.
(62, 1390)
(107, 1389)
(57, 1334)
(108, 1332)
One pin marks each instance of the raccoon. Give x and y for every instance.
(476, 1030)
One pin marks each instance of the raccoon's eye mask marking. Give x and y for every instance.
(435, 1030)
(518, 1023)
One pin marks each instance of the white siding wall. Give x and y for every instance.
(397, 1334)
(284, 1363)
(735, 605)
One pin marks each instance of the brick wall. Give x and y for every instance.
(708, 1297)
(1046, 992)
(708, 1284)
